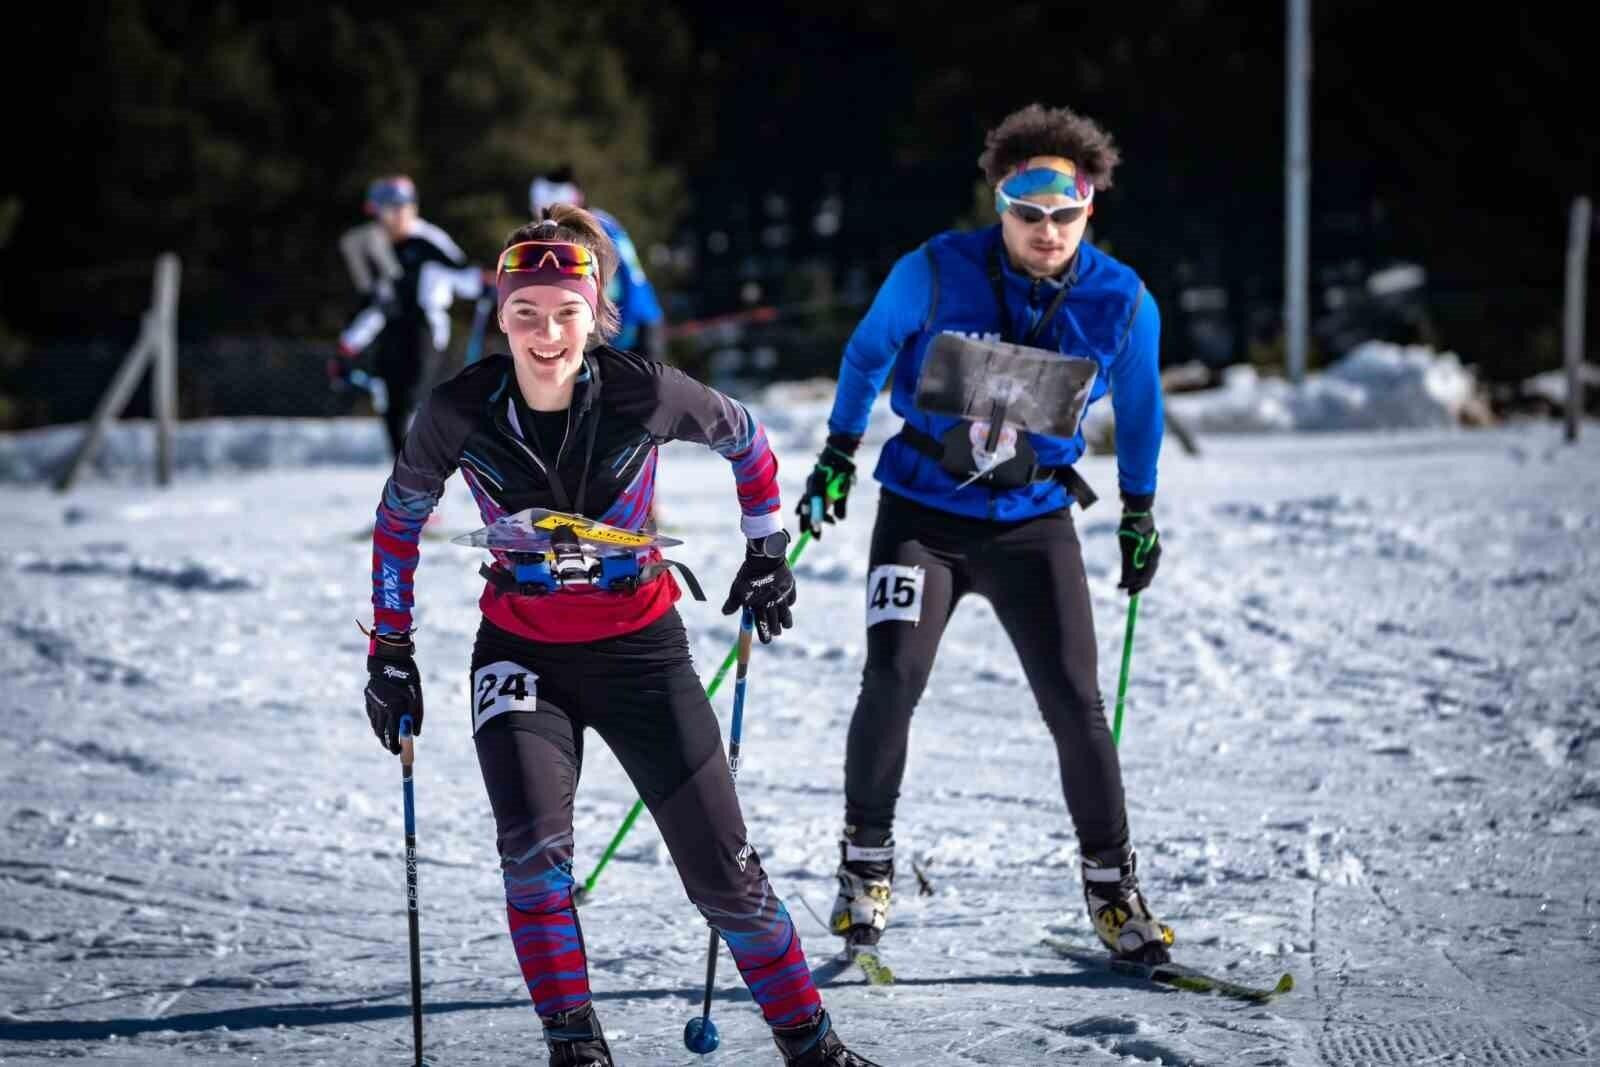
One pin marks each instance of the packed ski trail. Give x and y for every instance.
(1362, 746)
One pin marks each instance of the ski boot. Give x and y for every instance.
(866, 881)
(814, 1044)
(1118, 909)
(575, 1039)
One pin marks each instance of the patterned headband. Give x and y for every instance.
(1046, 175)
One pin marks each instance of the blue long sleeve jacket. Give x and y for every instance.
(1107, 315)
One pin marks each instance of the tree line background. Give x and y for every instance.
(776, 156)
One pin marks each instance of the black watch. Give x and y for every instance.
(773, 546)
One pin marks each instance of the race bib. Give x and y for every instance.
(501, 687)
(894, 594)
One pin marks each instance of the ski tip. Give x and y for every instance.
(877, 972)
(1285, 984)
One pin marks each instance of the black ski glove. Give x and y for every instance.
(765, 585)
(394, 688)
(1141, 548)
(828, 488)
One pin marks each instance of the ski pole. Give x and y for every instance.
(480, 325)
(638, 805)
(1127, 658)
(407, 755)
(700, 1034)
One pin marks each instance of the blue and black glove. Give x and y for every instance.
(394, 688)
(765, 586)
(1141, 546)
(828, 487)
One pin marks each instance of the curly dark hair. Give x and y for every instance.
(1040, 131)
(563, 222)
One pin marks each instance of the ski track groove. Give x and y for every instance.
(253, 910)
(1419, 1041)
(1319, 997)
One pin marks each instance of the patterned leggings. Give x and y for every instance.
(640, 694)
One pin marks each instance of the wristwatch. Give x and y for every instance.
(773, 546)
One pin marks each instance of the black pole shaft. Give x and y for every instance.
(711, 974)
(411, 914)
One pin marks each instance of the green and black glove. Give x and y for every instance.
(828, 488)
(1140, 544)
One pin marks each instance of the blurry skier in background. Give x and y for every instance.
(408, 272)
(643, 328)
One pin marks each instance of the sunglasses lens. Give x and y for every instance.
(1027, 213)
(1064, 216)
(572, 261)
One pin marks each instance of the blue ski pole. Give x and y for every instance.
(700, 1034)
(581, 894)
(480, 326)
(407, 755)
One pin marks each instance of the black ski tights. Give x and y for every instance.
(922, 562)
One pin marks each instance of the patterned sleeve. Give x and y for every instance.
(444, 250)
(426, 461)
(685, 410)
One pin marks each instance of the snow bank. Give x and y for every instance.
(213, 445)
(1552, 384)
(795, 414)
(1377, 386)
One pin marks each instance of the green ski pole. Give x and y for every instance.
(1127, 659)
(638, 805)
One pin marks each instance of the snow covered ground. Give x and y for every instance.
(1362, 746)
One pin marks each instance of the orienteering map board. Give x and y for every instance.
(530, 531)
(1038, 391)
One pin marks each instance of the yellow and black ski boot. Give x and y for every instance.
(866, 884)
(1118, 910)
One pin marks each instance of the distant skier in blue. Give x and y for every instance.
(955, 517)
(643, 329)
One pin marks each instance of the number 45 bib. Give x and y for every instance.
(894, 594)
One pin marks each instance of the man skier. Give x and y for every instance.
(952, 522)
